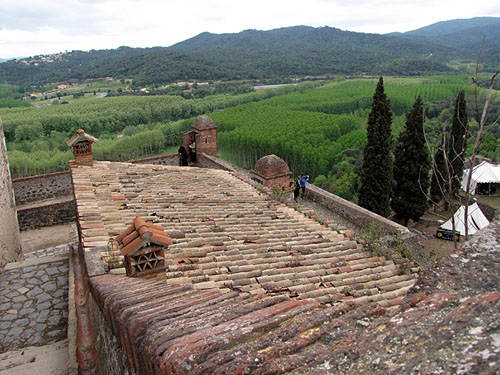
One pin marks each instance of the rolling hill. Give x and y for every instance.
(284, 52)
(466, 36)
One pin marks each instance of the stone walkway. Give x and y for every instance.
(34, 300)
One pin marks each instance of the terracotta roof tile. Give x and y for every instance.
(139, 234)
(223, 230)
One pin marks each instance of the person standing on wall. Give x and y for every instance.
(183, 156)
(303, 181)
(296, 189)
(192, 152)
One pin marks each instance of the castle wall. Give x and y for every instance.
(36, 188)
(111, 359)
(171, 159)
(355, 215)
(46, 215)
(206, 161)
(10, 242)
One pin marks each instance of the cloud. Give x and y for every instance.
(32, 27)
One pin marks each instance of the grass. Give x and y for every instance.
(492, 201)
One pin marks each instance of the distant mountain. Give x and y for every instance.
(304, 40)
(455, 26)
(466, 36)
(284, 52)
(3, 60)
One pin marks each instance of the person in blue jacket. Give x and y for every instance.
(303, 181)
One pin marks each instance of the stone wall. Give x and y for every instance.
(10, 241)
(170, 159)
(35, 188)
(208, 161)
(110, 357)
(355, 215)
(46, 215)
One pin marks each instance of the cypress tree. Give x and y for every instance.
(457, 141)
(411, 167)
(439, 178)
(376, 175)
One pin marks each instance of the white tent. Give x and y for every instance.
(484, 173)
(476, 221)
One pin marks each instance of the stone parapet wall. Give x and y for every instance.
(358, 217)
(170, 159)
(35, 188)
(46, 215)
(209, 161)
(110, 357)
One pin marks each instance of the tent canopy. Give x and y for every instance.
(483, 173)
(476, 220)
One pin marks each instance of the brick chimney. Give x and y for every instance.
(206, 135)
(272, 171)
(82, 147)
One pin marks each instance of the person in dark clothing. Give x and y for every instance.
(192, 152)
(183, 156)
(303, 181)
(296, 190)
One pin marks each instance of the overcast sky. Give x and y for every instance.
(32, 27)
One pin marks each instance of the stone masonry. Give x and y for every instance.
(34, 300)
(10, 243)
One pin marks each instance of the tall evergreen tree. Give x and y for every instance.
(376, 178)
(411, 167)
(439, 178)
(457, 141)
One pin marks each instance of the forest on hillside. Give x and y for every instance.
(252, 54)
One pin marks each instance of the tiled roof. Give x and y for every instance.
(227, 235)
(438, 328)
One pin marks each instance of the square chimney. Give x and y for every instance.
(82, 147)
